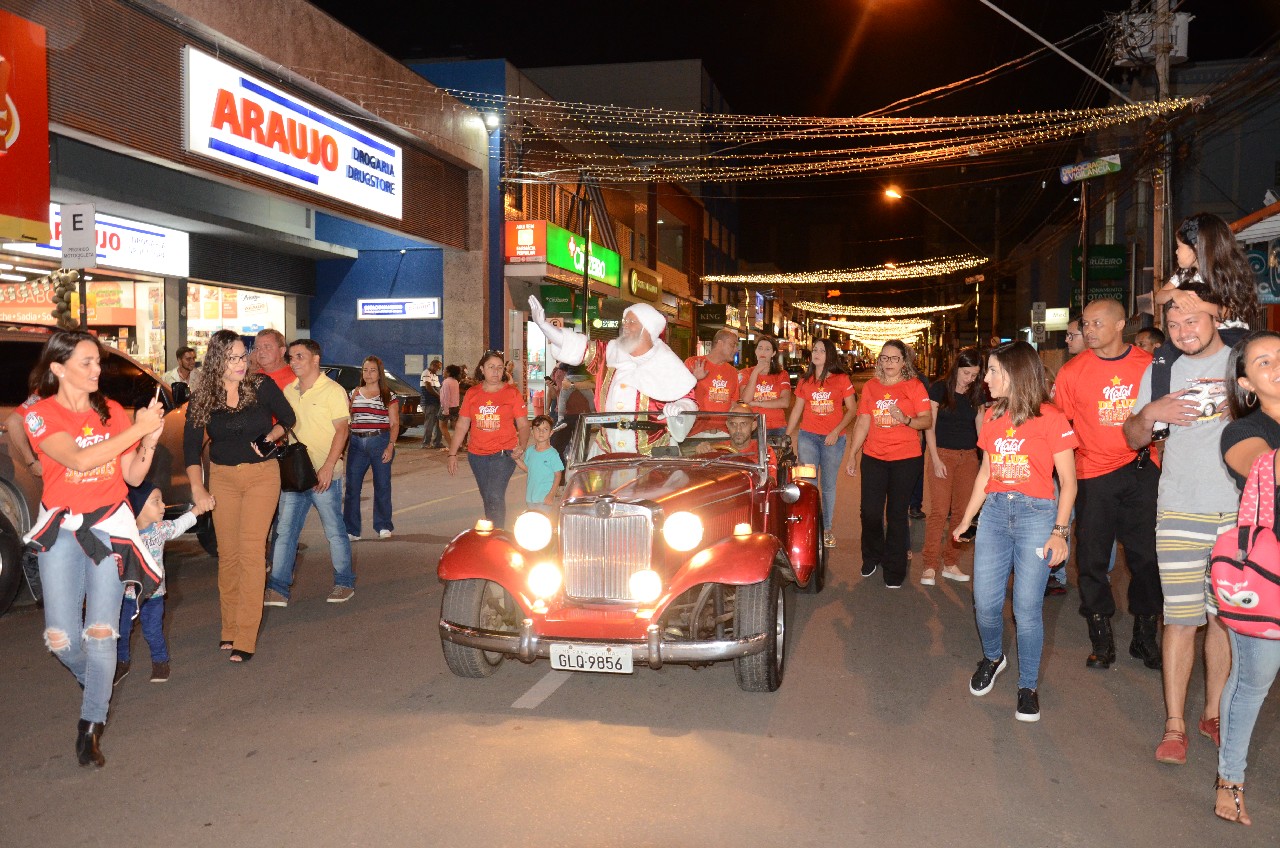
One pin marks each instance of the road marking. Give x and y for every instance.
(541, 690)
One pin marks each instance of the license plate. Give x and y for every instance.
(610, 659)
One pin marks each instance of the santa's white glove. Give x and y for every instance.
(539, 315)
(671, 410)
(678, 424)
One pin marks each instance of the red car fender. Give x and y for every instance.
(488, 556)
(801, 521)
(735, 561)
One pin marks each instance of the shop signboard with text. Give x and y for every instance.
(546, 243)
(121, 243)
(24, 130)
(250, 125)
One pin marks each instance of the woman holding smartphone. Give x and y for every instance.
(1024, 440)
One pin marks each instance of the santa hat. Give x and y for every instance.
(654, 322)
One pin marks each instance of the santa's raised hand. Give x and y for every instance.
(539, 315)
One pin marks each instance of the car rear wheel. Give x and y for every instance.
(762, 608)
(10, 564)
(818, 579)
(484, 605)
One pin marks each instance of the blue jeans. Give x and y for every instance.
(152, 620)
(80, 594)
(363, 454)
(493, 473)
(1254, 664)
(290, 518)
(1011, 528)
(815, 451)
(430, 430)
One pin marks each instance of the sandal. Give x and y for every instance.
(226, 645)
(1236, 790)
(240, 656)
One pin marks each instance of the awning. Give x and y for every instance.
(1263, 225)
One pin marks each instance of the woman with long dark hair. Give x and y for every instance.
(821, 414)
(88, 451)
(494, 413)
(952, 443)
(375, 424)
(1207, 252)
(767, 387)
(893, 411)
(1024, 440)
(1254, 398)
(242, 415)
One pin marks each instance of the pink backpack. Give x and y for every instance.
(1244, 570)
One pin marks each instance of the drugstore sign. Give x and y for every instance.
(542, 241)
(121, 243)
(250, 125)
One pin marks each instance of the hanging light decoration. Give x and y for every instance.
(870, 274)
(870, 311)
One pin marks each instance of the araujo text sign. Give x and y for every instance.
(1089, 169)
(391, 309)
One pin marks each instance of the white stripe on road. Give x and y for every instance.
(541, 690)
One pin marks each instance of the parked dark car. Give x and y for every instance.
(123, 380)
(349, 376)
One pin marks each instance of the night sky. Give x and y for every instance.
(817, 57)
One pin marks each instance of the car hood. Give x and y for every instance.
(672, 485)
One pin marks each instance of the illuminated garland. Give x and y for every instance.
(870, 311)
(873, 273)
(887, 329)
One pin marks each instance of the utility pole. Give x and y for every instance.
(1161, 172)
(995, 271)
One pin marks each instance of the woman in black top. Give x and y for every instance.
(952, 444)
(241, 414)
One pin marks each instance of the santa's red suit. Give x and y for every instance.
(655, 381)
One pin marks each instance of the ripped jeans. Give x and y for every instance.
(80, 595)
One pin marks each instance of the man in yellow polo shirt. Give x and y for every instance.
(323, 419)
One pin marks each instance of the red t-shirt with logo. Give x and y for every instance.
(768, 387)
(493, 418)
(282, 376)
(1097, 395)
(79, 491)
(823, 402)
(1022, 457)
(888, 439)
(718, 391)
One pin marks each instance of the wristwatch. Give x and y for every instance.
(1062, 530)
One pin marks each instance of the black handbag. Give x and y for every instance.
(297, 474)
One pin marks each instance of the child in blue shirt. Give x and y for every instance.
(147, 504)
(544, 464)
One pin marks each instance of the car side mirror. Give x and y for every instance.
(790, 493)
(181, 393)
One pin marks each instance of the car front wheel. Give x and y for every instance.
(762, 608)
(484, 605)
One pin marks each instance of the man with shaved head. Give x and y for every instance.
(1118, 485)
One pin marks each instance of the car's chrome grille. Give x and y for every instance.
(602, 545)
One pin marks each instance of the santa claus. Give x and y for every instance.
(635, 372)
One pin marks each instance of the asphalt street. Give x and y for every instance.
(347, 729)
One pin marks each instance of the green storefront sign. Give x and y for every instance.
(1106, 262)
(566, 250)
(557, 300)
(1101, 291)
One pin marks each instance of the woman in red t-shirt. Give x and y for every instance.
(494, 412)
(1024, 440)
(88, 451)
(821, 414)
(894, 410)
(767, 387)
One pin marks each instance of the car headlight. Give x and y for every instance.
(544, 580)
(683, 531)
(533, 530)
(645, 586)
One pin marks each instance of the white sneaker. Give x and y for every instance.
(928, 578)
(384, 534)
(353, 538)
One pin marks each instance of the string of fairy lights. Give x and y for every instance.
(914, 269)
(871, 311)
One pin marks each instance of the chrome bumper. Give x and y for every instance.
(528, 646)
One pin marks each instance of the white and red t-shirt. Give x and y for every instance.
(1097, 395)
(493, 418)
(823, 402)
(718, 391)
(1022, 456)
(78, 491)
(768, 387)
(888, 439)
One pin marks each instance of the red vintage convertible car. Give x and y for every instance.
(681, 550)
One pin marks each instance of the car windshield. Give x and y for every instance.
(735, 437)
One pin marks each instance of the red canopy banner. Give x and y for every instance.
(24, 131)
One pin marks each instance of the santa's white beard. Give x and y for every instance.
(628, 344)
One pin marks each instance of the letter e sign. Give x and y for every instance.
(79, 235)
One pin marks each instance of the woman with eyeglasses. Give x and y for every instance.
(821, 414)
(894, 410)
(495, 415)
(375, 424)
(242, 415)
(1024, 530)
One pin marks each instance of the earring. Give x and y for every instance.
(1250, 399)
